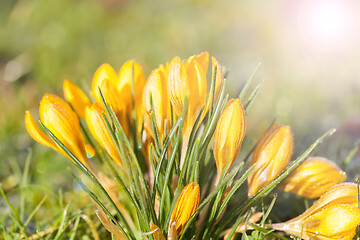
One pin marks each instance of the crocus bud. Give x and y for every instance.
(131, 77)
(156, 88)
(105, 71)
(270, 156)
(63, 122)
(313, 178)
(219, 78)
(97, 126)
(76, 97)
(334, 216)
(229, 134)
(185, 206)
(178, 86)
(196, 69)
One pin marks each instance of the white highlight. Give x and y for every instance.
(328, 24)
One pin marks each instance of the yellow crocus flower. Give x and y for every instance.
(188, 79)
(97, 126)
(117, 91)
(229, 134)
(63, 122)
(334, 216)
(76, 97)
(313, 177)
(270, 156)
(185, 206)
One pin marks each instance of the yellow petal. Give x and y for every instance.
(270, 156)
(116, 100)
(196, 75)
(126, 77)
(76, 97)
(334, 216)
(105, 71)
(219, 78)
(185, 206)
(178, 88)
(36, 133)
(342, 191)
(332, 222)
(132, 73)
(203, 59)
(229, 134)
(98, 129)
(63, 122)
(313, 178)
(156, 88)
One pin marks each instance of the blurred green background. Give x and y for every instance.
(309, 53)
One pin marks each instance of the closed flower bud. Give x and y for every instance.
(334, 216)
(219, 78)
(76, 97)
(63, 122)
(229, 134)
(97, 127)
(196, 69)
(156, 88)
(270, 156)
(131, 77)
(178, 86)
(313, 178)
(105, 71)
(185, 206)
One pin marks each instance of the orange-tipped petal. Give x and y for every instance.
(178, 87)
(229, 134)
(313, 178)
(36, 133)
(63, 122)
(98, 129)
(270, 156)
(76, 97)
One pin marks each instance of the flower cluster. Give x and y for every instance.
(165, 135)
